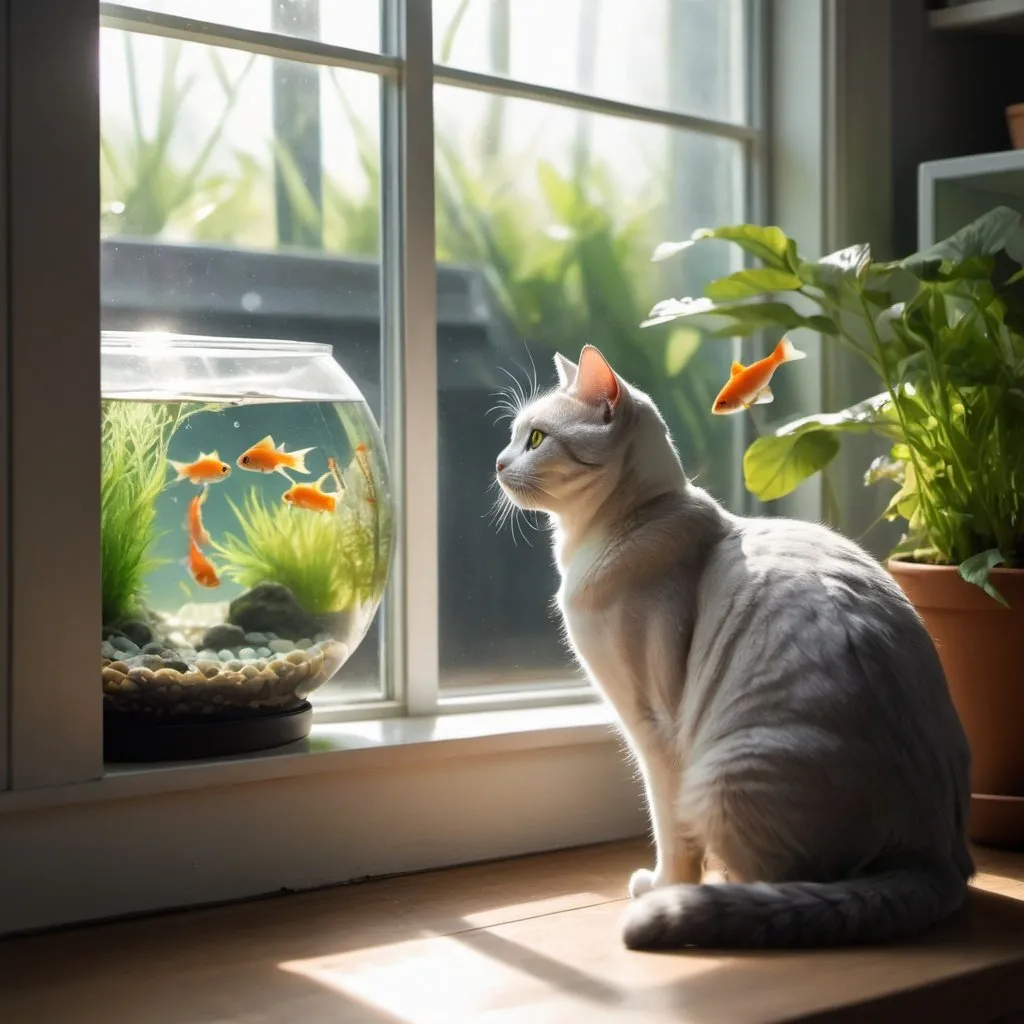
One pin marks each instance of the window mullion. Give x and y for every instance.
(410, 354)
(54, 383)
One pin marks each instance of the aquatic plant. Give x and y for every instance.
(133, 472)
(330, 562)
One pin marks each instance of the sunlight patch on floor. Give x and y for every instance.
(430, 981)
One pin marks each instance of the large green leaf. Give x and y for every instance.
(733, 320)
(773, 466)
(769, 244)
(838, 267)
(985, 236)
(747, 284)
(976, 569)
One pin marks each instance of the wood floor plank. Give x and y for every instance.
(526, 941)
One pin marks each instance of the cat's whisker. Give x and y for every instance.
(517, 519)
(519, 394)
(503, 410)
(531, 376)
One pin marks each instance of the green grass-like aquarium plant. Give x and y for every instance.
(944, 331)
(133, 472)
(330, 562)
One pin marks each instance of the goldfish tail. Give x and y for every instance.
(787, 352)
(300, 459)
(179, 468)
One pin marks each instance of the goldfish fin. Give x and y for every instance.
(737, 367)
(317, 483)
(787, 352)
(179, 468)
(764, 396)
(267, 442)
(300, 459)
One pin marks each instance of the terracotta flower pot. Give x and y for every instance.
(979, 645)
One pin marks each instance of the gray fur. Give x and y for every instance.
(781, 696)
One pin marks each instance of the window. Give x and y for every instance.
(243, 163)
(441, 194)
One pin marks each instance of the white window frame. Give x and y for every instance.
(410, 668)
(419, 788)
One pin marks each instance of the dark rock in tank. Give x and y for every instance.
(139, 632)
(123, 644)
(271, 607)
(227, 635)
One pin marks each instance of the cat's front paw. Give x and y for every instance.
(642, 881)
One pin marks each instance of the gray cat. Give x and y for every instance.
(782, 698)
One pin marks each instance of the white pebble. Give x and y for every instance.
(247, 654)
(281, 646)
(226, 655)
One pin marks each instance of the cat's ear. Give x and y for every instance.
(596, 382)
(566, 370)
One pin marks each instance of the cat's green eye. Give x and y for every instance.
(536, 436)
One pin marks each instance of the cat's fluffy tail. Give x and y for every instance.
(872, 908)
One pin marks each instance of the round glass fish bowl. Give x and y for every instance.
(246, 539)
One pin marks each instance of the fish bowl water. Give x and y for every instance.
(246, 526)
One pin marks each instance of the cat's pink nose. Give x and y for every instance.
(499, 466)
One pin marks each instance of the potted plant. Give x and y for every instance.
(944, 331)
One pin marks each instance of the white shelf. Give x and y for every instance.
(993, 16)
(953, 192)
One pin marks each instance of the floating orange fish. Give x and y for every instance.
(194, 521)
(264, 457)
(311, 496)
(205, 470)
(200, 567)
(748, 385)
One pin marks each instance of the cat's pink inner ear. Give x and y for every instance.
(596, 381)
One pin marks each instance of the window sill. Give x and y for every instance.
(389, 743)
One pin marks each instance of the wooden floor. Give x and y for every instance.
(528, 941)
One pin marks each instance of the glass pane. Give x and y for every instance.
(240, 198)
(546, 221)
(352, 23)
(686, 55)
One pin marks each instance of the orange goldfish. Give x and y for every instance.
(311, 496)
(264, 457)
(194, 521)
(200, 567)
(748, 385)
(205, 470)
